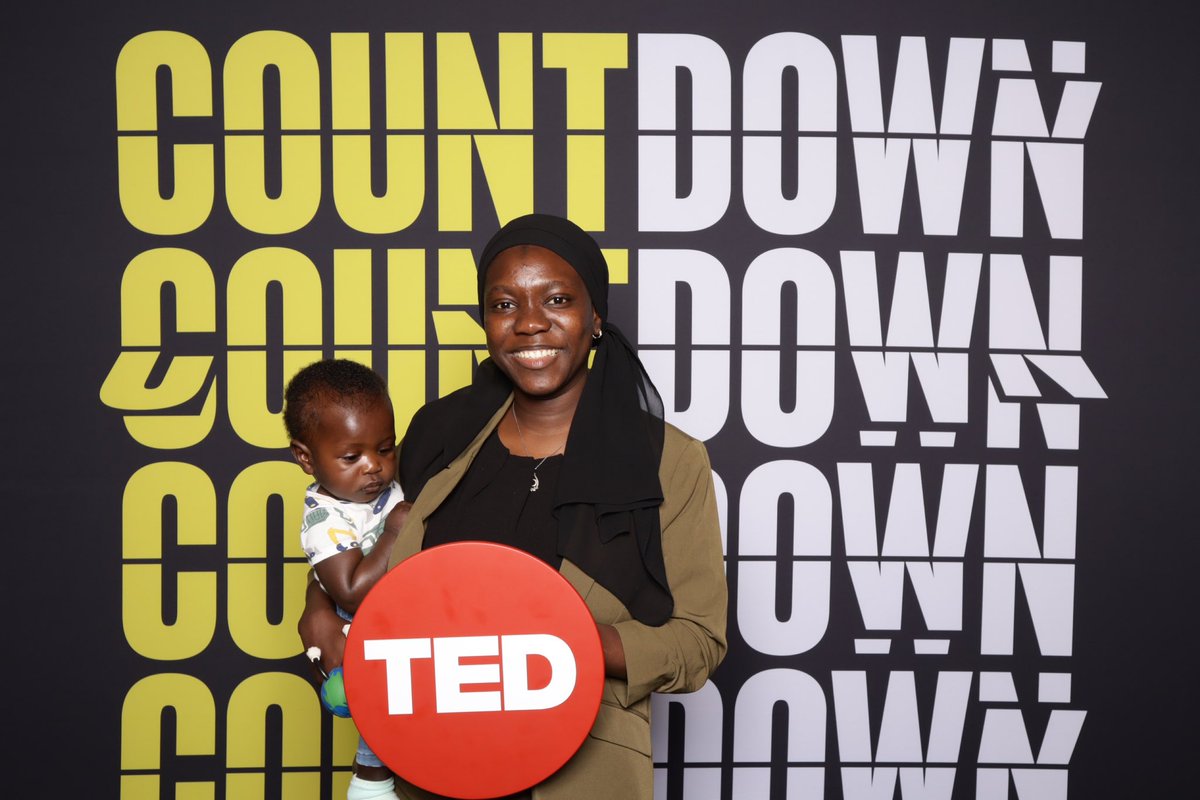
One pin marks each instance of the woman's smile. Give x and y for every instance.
(536, 358)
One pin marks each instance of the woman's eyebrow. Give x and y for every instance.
(552, 286)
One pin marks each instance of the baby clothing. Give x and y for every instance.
(333, 526)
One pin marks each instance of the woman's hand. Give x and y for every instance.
(320, 626)
(614, 651)
(395, 521)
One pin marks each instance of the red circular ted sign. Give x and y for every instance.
(474, 670)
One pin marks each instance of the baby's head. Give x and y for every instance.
(339, 419)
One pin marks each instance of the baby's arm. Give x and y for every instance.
(348, 576)
(320, 626)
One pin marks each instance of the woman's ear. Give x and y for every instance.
(596, 325)
(303, 456)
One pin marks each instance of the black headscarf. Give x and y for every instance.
(608, 493)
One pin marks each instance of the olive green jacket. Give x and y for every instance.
(678, 656)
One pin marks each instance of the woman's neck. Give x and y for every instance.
(537, 426)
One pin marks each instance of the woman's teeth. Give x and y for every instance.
(531, 355)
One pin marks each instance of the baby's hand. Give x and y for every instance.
(321, 633)
(396, 517)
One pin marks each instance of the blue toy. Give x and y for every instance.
(333, 694)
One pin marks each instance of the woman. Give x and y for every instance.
(577, 467)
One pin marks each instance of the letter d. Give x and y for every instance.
(514, 654)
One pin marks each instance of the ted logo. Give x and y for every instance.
(474, 670)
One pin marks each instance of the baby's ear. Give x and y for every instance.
(303, 456)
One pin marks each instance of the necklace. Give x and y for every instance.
(533, 487)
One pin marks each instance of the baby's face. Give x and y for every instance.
(352, 451)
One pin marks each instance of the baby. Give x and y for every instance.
(339, 419)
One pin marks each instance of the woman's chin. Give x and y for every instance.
(540, 385)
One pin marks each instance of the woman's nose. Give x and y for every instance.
(532, 318)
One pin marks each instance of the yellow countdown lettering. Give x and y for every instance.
(350, 81)
(125, 387)
(455, 368)
(404, 70)
(251, 629)
(175, 431)
(585, 181)
(457, 286)
(147, 787)
(246, 297)
(246, 737)
(454, 182)
(138, 170)
(191, 199)
(507, 161)
(458, 280)
(245, 741)
(585, 57)
(253, 786)
(142, 285)
(141, 720)
(137, 73)
(407, 314)
(245, 182)
(193, 790)
(299, 110)
(141, 288)
(406, 385)
(516, 81)
(352, 318)
(142, 583)
(508, 167)
(462, 98)
(299, 82)
(406, 297)
(404, 192)
(457, 328)
(404, 81)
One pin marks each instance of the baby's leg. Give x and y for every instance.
(371, 780)
(363, 789)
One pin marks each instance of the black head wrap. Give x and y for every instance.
(608, 493)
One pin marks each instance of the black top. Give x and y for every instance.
(492, 503)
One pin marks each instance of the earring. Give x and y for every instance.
(596, 336)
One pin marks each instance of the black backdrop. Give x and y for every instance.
(1131, 663)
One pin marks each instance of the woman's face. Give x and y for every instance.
(539, 321)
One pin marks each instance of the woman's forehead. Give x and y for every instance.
(525, 262)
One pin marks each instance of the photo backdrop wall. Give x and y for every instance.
(918, 274)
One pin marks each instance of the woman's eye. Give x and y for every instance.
(559, 299)
(503, 305)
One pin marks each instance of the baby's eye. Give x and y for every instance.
(349, 458)
(387, 449)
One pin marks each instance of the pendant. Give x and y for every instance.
(536, 483)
